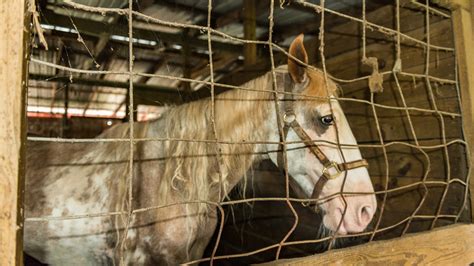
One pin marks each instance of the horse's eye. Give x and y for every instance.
(327, 120)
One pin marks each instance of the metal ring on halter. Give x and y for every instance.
(326, 169)
(289, 117)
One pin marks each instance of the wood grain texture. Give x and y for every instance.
(453, 245)
(12, 113)
(249, 17)
(463, 21)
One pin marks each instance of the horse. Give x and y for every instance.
(179, 161)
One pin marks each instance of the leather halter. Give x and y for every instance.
(331, 169)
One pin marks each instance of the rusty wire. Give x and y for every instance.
(394, 35)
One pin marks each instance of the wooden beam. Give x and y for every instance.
(220, 61)
(165, 95)
(453, 245)
(145, 94)
(312, 24)
(249, 17)
(14, 34)
(153, 68)
(48, 89)
(463, 25)
(72, 102)
(94, 28)
(186, 59)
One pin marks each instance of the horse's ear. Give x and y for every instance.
(296, 69)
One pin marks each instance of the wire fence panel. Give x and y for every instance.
(414, 144)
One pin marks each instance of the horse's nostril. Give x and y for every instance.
(365, 215)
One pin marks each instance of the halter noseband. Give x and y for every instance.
(331, 169)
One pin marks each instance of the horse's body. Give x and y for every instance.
(73, 179)
(68, 179)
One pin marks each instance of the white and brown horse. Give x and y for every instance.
(73, 179)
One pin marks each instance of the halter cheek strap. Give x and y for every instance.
(331, 169)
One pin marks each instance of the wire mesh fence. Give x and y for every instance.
(379, 149)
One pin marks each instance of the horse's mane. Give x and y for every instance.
(191, 171)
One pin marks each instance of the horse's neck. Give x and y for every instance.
(244, 117)
(240, 116)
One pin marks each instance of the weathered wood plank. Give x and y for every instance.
(348, 65)
(250, 23)
(394, 125)
(416, 94)
(463, 20)
(453, 246)
(347, 36)
(13, 33)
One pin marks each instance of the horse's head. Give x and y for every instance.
(318, 169)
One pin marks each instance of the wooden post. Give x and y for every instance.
(13, 47)
(186, 51)
(463, 25)
(65, 120)
(250, 23)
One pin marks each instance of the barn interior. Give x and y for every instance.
(412, 135)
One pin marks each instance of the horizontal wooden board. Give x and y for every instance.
(348, 65)
(415, 93)
(446, 246)
(359, 89)
(395, 126)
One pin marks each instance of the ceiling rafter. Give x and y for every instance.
(94, 28)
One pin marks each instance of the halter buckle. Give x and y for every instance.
(329, 173)
(289, 117)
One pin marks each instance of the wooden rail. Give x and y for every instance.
(453, 245)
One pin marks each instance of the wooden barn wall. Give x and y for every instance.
(261, 224)
(406, 165)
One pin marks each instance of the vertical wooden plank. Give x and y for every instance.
(464, 41)
(13, 36)
(186, 51)
(250, 24)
